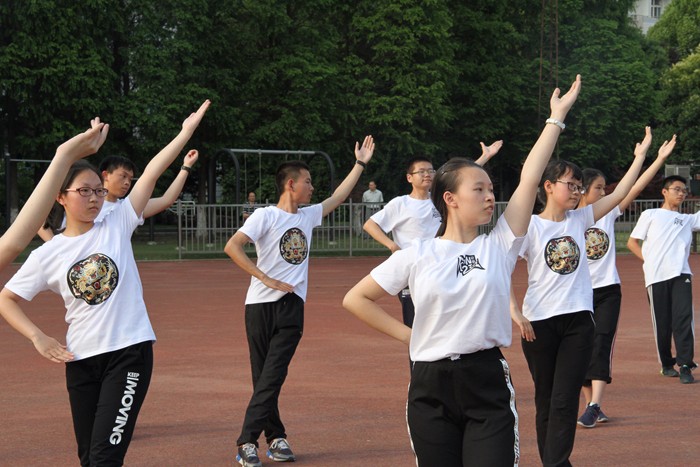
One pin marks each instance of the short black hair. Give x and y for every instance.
(412, 161)
(287, 170)
(111, 163)
(668, 181)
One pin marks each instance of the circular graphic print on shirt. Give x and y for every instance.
(562, 255)
(294, 247)
(597, 243)
(93, 279)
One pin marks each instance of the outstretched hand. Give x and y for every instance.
(191, 157)
(490, 151)
(365, 152)
(667, 148)
(560, 105)
(192, 122)
(85, 143)
(640, 149)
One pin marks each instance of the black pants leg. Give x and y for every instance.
(558, 359)
(106, 393)
(462, 412)
(606, 306)
(274, 331)
(671, 304)
(407, 310)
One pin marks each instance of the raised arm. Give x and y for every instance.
(647, 176)
(605, 204)
(361, 301)
(143, 189)
(157, 205)
(37, 207)
(487, 152)
(363, 154)
(519, 208)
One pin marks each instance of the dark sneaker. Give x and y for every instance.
(279, 451)
(669, 371)
(686, 375)
(248, 455)
(590, 416)
(602, 418)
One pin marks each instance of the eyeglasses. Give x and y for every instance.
(85, 191)
(423, 172)
(574, 188)
(679, 190)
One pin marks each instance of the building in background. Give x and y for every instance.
(646, 13)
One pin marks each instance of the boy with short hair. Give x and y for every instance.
(666, 235)
(274, 305)
(413, 216)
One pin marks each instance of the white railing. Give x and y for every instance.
(205, 228)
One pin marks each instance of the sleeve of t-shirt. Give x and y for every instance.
(509, 244)
(392, 274)
(587, 216)
(525, 245)
(28, 281)
(387, 217)
(696, 221)
(640, 230)
(254, 226)
(315, 212)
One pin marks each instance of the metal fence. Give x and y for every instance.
(205, 228)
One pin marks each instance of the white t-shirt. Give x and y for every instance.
(408, 219)
(282, 242)
(460, 291)
(667, 236)
(96, 275)
(558, 277)
(600, 250)
(107, 207)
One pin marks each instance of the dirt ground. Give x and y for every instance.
(344, 400)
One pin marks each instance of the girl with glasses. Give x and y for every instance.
(108, 350)
(607, 294)
(556, 321)
(461, 403)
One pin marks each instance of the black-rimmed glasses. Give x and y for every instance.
(423, 172)
(574, 188)
(86, 191)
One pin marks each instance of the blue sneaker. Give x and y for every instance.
(602, 418)
(248, 455)
(279, 451)
(590, 416)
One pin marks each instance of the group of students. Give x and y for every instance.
(108, 347)
(454, 284)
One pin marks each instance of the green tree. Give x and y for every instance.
(678, 29)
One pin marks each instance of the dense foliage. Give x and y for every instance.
(424, 77)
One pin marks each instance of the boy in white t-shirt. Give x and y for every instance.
(413, 216)
(117, 175)
(666, 235)
(274, 305)
(408, 217)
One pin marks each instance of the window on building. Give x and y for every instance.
(655, 8)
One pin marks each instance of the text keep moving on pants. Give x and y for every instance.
(462, 412)
(106, 393)
(274, 330)
(671, 304)
(558, 359)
